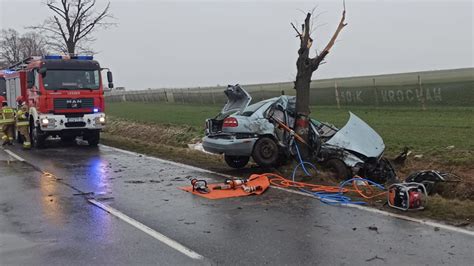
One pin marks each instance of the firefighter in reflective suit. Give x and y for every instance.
(22, 122)
(7, 122)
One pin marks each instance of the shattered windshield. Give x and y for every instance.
(3, 87)
(71, 79)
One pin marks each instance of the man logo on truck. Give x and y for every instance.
(74, 103)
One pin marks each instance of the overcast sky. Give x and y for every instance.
(160, 44)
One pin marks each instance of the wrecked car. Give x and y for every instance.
(242, 131)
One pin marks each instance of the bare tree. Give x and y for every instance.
(32, 44)
(305, 67)
(10, 48)
(71, 27)
(15, 47)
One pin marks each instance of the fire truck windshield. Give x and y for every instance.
(3, 87)
(71, 79)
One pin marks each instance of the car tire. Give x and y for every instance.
(338, 169)
(265, 152)
(236, 161)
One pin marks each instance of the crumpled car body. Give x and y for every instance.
(359, 147)
(237, 132)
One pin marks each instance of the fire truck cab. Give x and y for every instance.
(64, 95)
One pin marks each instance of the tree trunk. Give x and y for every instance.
(303, 80)
(71, 47)
(302, 86)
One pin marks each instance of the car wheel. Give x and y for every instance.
(266, 152)
(236, 161)
(338, 169)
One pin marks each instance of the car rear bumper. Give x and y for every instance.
(229, 146)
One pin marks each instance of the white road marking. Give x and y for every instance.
(14, 155)
(164, 239)
(369, 209)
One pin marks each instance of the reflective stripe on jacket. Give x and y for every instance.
(7, 115)
(22, 119)
(22, 123)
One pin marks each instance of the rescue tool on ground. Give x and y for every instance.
(63, 96)
(407, 196)
(232, 187)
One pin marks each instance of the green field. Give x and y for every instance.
(432, 89)
(427, 132)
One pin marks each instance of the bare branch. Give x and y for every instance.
(341, 25)
(317, 60)
(88, 28)
(317, 27)
(57, 10)
(74, 21)
(297, 32)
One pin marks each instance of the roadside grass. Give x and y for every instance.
(162, 113)
(431, 133)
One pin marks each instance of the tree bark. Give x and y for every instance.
(302, 86)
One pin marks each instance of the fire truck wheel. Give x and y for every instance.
(37, 138)
(93, 138)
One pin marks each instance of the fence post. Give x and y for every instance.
(376, 94)
(423, 94)
(336, 91)
(212, 96)
(200, 95)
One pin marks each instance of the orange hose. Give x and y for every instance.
(367, 195)
(368, 192)
(282, 182)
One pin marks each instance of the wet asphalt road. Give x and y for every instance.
(45, 221)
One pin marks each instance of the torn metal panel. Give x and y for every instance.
(357, 136)
(237, 100)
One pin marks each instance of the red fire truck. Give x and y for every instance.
(64, 95)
